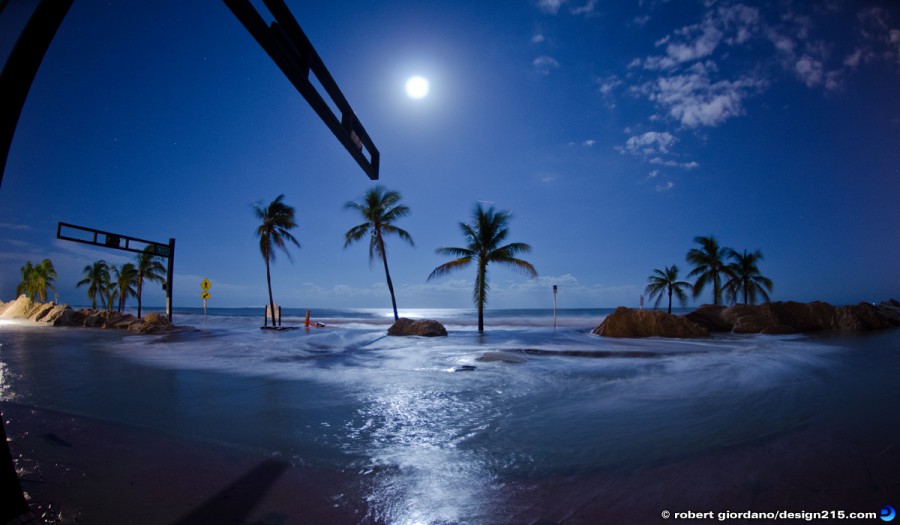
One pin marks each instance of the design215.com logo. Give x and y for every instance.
(888, 513)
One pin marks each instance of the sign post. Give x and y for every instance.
(554, 306)
(205, 285)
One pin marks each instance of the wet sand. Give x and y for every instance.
(89, 471)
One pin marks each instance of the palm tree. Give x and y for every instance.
(36, 280)
(709, 266)
(149, 267)
(379, 209)
(96, 276)
(484, 237)
(746, 278)
(277, 219)
(123, 280)
(667, 281)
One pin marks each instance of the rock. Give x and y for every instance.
(859, 318)
(790, 317)
(424, 327)
(506, 357)
(40, 311)
(152, 324)
(709, 316)
(21, 308)
(63, 315)
(626, 322)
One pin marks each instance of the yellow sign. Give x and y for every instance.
(204, 295)
(205, 285)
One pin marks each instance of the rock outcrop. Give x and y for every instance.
(25, 309)
(790, 317)
(627, 322)
(423, 327)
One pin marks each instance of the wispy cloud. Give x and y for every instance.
(545, 64)
(550, 6)
(649, 143)
(13, 226)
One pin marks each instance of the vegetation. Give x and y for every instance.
(666, 282)
(709, 266)
(746, 278)
(484, 238)
(123, 280)
(274, 232)
(97, 279)
(379, 209)
(150, 268)
(36, 280)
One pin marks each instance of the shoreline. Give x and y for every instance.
(84, 470)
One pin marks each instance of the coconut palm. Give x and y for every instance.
(484, 238)
(96, 277)
(746, 278)
(379, 209)
(666, 281)
(274, 232)
(123, 280)
(36, 280)
(709, 266)
(149, 266)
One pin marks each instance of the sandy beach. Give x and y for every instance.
(81, 470)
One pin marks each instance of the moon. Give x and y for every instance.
(417, 87)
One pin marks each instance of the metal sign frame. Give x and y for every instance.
(114, 241)
(287, 45)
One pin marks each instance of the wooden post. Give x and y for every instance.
(554, 306)
(170, 273)
(279, 315)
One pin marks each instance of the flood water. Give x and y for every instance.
(431, 441)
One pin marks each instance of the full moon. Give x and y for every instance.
(417, 87)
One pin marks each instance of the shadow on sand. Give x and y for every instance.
(236, 501)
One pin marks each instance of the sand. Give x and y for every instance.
(80, 470)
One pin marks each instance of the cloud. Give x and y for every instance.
(537, 39)
(695, 100)
(589, 142)
(544, 64)
(608, 84)
(650, 143)
(550, 6)
(14, 227)
(732, 25)
(692, 165)
(666, 186)
(586, 9)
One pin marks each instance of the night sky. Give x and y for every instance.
(613, 133)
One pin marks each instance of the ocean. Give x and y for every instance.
(435, 442)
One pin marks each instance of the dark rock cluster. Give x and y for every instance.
(52, 314)
(786, 317)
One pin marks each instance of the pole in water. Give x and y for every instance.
(554, 306)
(306, 321)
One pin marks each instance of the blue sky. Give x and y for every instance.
(614, 133)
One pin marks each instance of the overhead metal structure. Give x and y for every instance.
(22, 64)
(288, 46)
(118, 241)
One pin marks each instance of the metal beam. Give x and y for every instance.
(290, 49)
(106, 239)
(22, 65)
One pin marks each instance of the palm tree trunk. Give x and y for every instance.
(480, 293)
(670, 300)
(387, 275)
(269, 283)
(140, 287)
